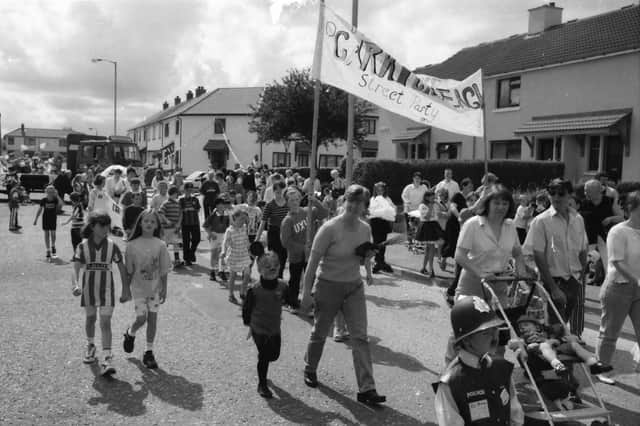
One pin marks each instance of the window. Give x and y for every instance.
(145, 134)
(594, 153)
(509, 92)
(219, 125)
(31, 142)
(166, 130)
(413, 151)
(10, 140)
(62, 143)
(302, 159)
(369, 126)
(368, 153)
(281, 159)
(506, 150)
(329, 160)
(153, 132)
(177, 127)
(448, 150)
(545, 149)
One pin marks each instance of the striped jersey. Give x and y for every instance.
(171, 210)
(273, 213)
(77, 217)
(97, 278)
(190, 207)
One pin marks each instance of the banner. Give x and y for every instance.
(348, 60)
(105, 203)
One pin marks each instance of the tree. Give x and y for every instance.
(286, 108)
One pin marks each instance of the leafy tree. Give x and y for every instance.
(286, 108)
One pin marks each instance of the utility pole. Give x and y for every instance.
(350, 108)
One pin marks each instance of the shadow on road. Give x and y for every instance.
(119, 396)
(383, 415)
(295, 411)
(194, 270)
(175, 390)
(400, 304)
(384, 279)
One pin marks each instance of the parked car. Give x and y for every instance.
(196, 178)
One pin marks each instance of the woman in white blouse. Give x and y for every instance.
(620, 293)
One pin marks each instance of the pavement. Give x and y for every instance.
(207, 366)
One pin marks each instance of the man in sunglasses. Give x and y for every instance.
(558, 241)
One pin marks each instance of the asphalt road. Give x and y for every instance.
(207, 367)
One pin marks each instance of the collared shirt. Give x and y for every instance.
(412, 196)
(560, 240)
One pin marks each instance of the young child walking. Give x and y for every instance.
(262, 312)
(92, 263)
(14, 206)
(76, 219)
(429, 230)
(235, 250)
(216, 225)
(171, 217)
(49, 210)
(147, 261)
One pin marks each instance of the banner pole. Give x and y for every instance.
(484, 128)
(350, 109)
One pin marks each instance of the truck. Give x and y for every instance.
(101, 151)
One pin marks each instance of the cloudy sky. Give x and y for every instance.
(164, 48)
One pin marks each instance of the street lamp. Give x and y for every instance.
(115, 88)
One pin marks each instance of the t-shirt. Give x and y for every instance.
(157, 201)
(594, 215)
(623, 245)
(266, 308)
(210, 191)
(293, 233)
(254, 214)
(218, 222)
(50, 208)
(170, 209)
(77, 217)
(147, 259)
(273, 213)
(190, 207)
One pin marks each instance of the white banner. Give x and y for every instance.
(348, 60)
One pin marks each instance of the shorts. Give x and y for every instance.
(143, 305)
(105, 311)
(171, 236)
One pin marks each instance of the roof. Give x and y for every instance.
(410, 134)
(215, 145)
(595, 122)
(41, 133)
(221, 101)
(598, 35)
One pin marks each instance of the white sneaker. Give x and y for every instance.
(90, 354)
(107, 367)
(606, 379)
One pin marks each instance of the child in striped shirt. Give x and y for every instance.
(92, 267)
(76, 219)
(171, 218)
(216, 225)
(235, 250)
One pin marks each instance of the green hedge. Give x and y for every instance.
(517, 175)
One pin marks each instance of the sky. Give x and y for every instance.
(165, 48)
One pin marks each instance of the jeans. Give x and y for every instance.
(618, 300)
(190, 241)
(331, 297)
(295, 274)
(571, 289)
(268, 351)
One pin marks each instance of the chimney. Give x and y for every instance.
(165, 105)
(189, 95)
(176, 101)
(543, 17)
(200, 90)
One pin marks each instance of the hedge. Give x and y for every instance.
(517, 175)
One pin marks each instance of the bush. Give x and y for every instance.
(517, 175)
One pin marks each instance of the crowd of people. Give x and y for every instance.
(261, 217)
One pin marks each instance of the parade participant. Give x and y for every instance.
(523, 217)
(115, 185)
(97, 196)
(216, 225)
(147, 260)
(448, 183)
(269, 192)
(49, 210)
(255, 214)
(444, 212)
(293, 234)
(210, 191)
(160, 197)
(558, 242)
(608, 189)
(262, 312)
(14, 206)
(337, 183)
(190, 207)
(272, 215)
(476, 388)
(131, 175)
(134, 201)
(79, 185)
(235, 250)
(620, 293)
(171, 219)
(157, 178)
(222, 185)
(542, 202)
(94, 258)
(178, 181)
(382, 215)
(334, 266)
(429, 230)
(76, 219)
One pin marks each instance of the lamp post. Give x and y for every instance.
(115, 88)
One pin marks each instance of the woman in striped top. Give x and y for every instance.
(272, 216)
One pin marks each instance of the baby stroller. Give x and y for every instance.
(413, 223)
(513, 298)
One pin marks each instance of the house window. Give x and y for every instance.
(329, 160)
(506, 150)
(509, 92)
(368, 153)
(10, 140)
(177, 127)
(448, 150)
(144, 133)
(62, 143)
(166, 130)
(302, 159)
(545, 149)
(153, 134)
(413, 151)
(281, 159)
(594, 153)
(31, 142)
(219, 125)
(369, 126)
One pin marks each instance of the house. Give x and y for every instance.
(566, 92)
(212, 129)
(43, 143)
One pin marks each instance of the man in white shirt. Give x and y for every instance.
(412, 195)
(448, 183)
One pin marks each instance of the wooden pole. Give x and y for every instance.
(350, 109)
(484, 131)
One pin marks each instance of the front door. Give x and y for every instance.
(218, 158)
(613, 151)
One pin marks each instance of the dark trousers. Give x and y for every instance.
(379, 231)
(268, 351)
(13, 218)
(571, 289)
(208, 209)
(275, 245)
(190, 241)
(76, 237)
(295, 275)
